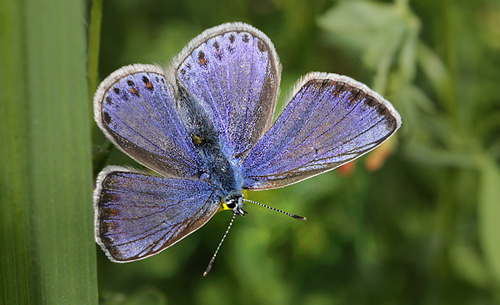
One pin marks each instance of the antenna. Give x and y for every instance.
(209, 267)
(277, 210)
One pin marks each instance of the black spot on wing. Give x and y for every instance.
(148, 84)
(218, 51)
(201, 58)
(358, 95)
(262, 46)
(106, 117)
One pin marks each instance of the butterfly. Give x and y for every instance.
(204, 127)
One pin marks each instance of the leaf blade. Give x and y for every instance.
(46, 192)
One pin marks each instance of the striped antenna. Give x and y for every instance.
(209, 267)
(275, 209)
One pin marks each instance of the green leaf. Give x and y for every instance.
(489, 213)
(94, 43)
(382, 33)
(46, 227)
(468, 264)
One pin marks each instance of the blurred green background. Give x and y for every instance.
(415, 222)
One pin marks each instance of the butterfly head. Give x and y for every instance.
(234, 201)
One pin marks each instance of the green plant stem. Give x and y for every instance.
(46, 227)
(94, 45)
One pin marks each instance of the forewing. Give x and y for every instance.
(233, 71)
(330, 120)
(135, 108)
(138, 215)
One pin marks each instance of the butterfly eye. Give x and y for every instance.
(231, 204)
(234, 201)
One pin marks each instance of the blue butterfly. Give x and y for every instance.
(204, 125)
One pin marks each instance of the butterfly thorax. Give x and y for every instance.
(217, 168)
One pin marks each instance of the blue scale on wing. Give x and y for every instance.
(326, 124)
(235, 76)
(139, 114)
(139, 215)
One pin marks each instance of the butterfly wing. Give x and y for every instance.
(233, 71)
(135, 108)
(139, 215)
(330, 120)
